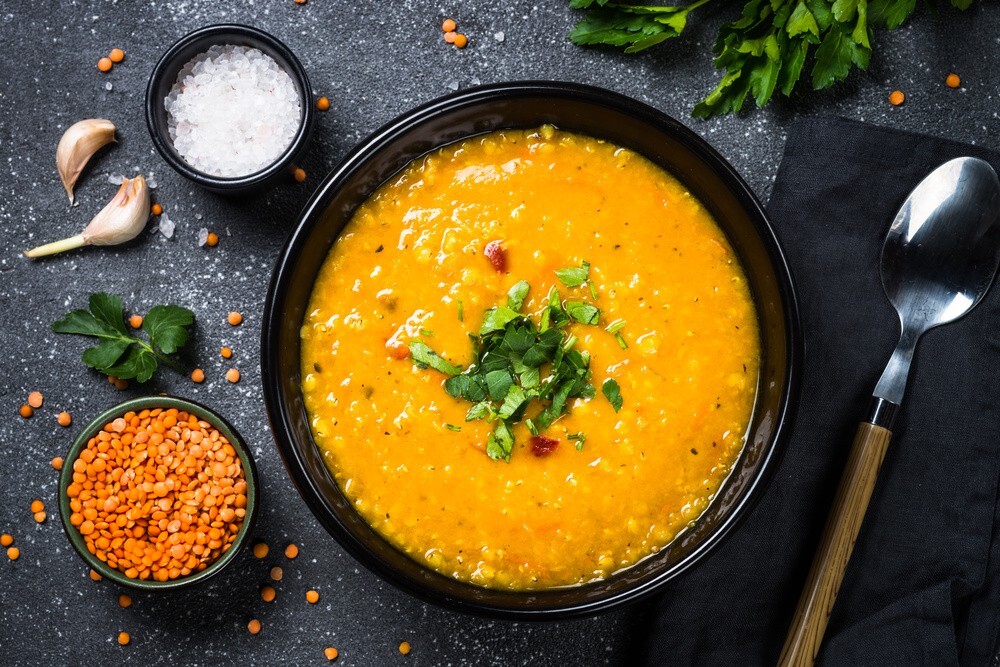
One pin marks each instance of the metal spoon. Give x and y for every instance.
(938, 261)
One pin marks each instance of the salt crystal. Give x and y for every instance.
(232, 111)
(166, 226)
(108, 86)
(475, 81)
(197, 216)
(115, 179)
(499, 36)
(202, 236)
(453, 85)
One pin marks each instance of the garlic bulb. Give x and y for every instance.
(78, 145)
(120, 221)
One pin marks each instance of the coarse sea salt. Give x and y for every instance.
(232, 111)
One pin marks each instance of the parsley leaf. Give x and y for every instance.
(425, 357)
(613, 393)
(118, 353)
(574, 277)
(583, 312)
(500, 443)
(517, 294)
(496, 319)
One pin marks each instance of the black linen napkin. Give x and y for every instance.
(923, 585)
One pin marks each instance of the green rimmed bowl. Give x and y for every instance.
(165, 403)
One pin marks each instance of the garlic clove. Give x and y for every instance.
(121, 220)
(77, 145)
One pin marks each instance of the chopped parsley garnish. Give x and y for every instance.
(523, 365)
(452, 427)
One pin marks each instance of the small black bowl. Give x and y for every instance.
(165, 75)
(597, 113)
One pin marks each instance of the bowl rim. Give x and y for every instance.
(150, 403)
(164, 67)
(278, 293)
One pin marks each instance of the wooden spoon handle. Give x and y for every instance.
(835, 547)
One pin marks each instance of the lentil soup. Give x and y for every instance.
(432, 253)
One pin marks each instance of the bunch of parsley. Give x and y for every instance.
(766, 49)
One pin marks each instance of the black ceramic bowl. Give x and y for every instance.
(597, 113)
(165, 75)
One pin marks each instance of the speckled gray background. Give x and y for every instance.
(374, 60)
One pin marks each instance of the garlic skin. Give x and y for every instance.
(77, 145)
(121, 220)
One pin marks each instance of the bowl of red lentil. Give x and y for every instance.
(158, 493)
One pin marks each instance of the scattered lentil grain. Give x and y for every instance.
(124, 601)
(896, 98)
(291, 551)
(450, 36)
(104, 64)
(449, 25)
(404, 647)
(267, 593)
(123, 638)
(95, 575)
(6, 540)
(135, 321)
(65, 419)
(260, 549)
(299, 174)
(276, 573)
(461, 41)
(323, 104)
(253, 626)
(226, 353)
(233, 375)
(234, 319)
(312, 597)
(198, 376)
(116, 55)
(212, 240)
(953, 80)
(57, 463)
(13, 553)
(331, 653)
(35, 399)
(37, 506)
(40, 517)
(157, 209)
(27, 411)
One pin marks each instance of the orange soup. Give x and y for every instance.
(530, 359)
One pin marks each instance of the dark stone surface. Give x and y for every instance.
(374, 60)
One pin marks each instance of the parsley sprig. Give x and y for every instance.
(519, 362)
(119, 353)
(766, 49)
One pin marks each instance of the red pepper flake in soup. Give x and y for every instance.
(542, 445)
(497, 256)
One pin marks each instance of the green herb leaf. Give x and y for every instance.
(496, 319)
(514, 401)
(574, 277)
(613, 393)
(167, 327)
(580, 439)
(583, 312)
(500, 443)
(461, 312)
(119, 353)
(517, 295)
(481, 410)
(452, 427)
(425, 357)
